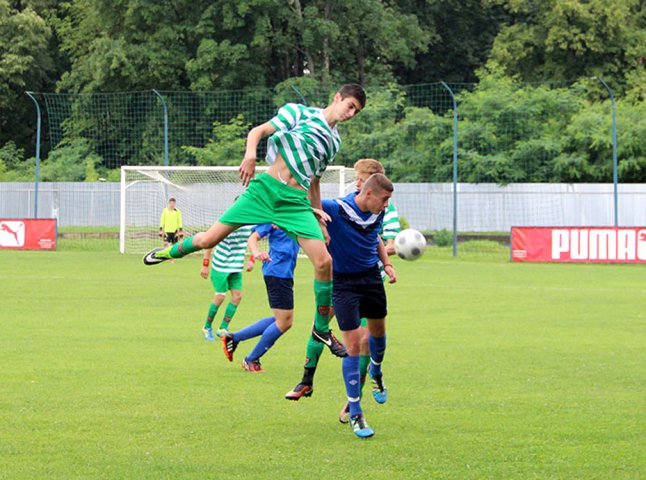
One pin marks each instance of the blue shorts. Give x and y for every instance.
(280, 292)
(358, 295)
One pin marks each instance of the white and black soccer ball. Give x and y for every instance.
(410, 244)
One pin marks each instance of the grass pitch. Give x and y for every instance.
(495, 370)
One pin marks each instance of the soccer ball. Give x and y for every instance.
(410, 244)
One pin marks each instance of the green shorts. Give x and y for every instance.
(224, 281)
(269, 201)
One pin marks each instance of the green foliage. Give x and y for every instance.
(74, 161)
(565, 40)
(13, 166)
(443, 238)
(227, 145)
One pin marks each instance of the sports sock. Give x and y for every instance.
(228, 315)
(377, 352)
(308, 376)
(213, 309)
(350, 368)
(313, 352)
(364, 361)
(183, 248)
(323, 298)
(254, 329)
(267, 340)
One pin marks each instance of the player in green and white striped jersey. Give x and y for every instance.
(308, 150)
(302, 142)
(390, 228)
(227, 262)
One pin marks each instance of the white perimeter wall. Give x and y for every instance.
(427, 206)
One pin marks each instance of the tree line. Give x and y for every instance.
(128, 45)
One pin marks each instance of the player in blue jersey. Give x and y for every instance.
(278, 270)
(358, 289)
(363, 169)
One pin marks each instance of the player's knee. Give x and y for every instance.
(323, 263)
(236, 297)
(219, 298)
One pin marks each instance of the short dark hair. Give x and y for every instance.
(378, 181)
(353, 90)
(171, 199)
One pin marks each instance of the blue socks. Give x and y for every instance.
(350, 367)
(269, 337)
(377, 352)
(253, 330)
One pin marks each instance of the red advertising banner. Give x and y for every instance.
(575, 244)
(28, 234)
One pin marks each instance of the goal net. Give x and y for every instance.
(202, 195)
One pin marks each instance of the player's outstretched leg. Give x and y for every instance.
(305, 388)
(273, 331)
(197, 242)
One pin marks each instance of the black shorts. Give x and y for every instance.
(171, 237)
(358, 295)
(280, 292)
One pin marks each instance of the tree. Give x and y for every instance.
(25, 63)
(571, 39)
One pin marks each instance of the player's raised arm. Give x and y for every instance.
(248, 165)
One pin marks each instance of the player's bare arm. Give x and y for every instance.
(388, 268)
(206, 262)
(248, 166)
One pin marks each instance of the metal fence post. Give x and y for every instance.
(37, 178)
(615, 174)
(165, 126)
(455, 170)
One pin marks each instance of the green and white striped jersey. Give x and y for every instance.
(304, 140)
(391, 226)
(228, 255)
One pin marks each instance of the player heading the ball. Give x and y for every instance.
(303, 141)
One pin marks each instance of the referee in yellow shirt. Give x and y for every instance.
(170, 224)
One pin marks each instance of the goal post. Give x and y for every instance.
(202, 194)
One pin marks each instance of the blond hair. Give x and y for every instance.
(369, 166)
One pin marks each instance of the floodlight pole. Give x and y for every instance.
(614, 150)
(455, 170)
(165, 126)
(37, 179)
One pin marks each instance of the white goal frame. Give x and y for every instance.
(156, 173)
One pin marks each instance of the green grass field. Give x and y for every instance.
(495, 370)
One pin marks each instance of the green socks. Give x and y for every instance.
(213, 309)
(183, 248)
(228, 315)
(323, 299)
(313, 353)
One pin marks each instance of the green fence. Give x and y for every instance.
(496, 131)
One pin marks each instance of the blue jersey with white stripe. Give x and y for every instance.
(282, 250)
(354, 235)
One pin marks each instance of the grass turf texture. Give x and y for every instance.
(494, 370)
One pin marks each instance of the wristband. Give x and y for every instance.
(252, 259)
(205, 262)
(388, 265)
